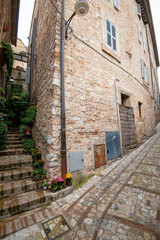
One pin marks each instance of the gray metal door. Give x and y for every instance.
(113, 145)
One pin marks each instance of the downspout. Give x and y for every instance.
(117, 110)
(151, 75)
(63, 127)
(32, 61)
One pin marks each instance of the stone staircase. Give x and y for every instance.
(18, 193)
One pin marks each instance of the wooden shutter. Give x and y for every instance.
(144, 43)
(143, 68)
(147, 73)
(116, 4)
(138, 9)
(27, 75)
(139, 33)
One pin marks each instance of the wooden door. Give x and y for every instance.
(127, 128)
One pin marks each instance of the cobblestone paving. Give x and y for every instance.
(121, 202)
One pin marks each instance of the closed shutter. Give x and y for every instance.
(27, 75)
(144, 43)
(139, 33)
(147, 73)
(143, 68)
(154, 89)
(138, 9)
(116, 4)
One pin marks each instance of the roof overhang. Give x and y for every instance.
(147, 19)
(14, 20)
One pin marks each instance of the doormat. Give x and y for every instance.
(56, 227)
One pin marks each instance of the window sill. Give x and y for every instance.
(111, 52)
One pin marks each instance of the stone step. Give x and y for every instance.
(12, 135)
(15, 146)
(18, 187)
(13, 139)
(7, 152)
(15, 174)
(23, 202)
(12, 142)
(15, 161)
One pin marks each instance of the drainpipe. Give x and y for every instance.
(118, 121)
(63, 127)
(151, 75)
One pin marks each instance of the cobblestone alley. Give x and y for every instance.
(121, 202)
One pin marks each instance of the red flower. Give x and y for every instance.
(40, 161)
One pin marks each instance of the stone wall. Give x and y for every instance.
(91, 68)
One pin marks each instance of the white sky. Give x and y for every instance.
(25, 15)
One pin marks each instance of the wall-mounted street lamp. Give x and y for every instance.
(81, 9)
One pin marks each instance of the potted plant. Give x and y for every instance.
(28, 131)
(69, 179)
(44, 186)
(36, 154)
(57, 184)
(38, 164)
(39, 174)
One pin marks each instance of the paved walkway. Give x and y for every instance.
(122, 202)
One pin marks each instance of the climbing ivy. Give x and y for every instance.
(8, 56)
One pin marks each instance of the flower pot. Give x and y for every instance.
(28, 132)
(44, 187)
(4, 29)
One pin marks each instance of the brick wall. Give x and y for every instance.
(91, 68)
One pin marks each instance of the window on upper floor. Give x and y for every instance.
(111, 35)
(140, 109)
(115, 3)
(138, 9)
(139, 33)
(143, 66)
(144, 43)
(147, 74)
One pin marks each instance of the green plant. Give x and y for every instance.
(69, 179)
(8, 56)
(36, 154)
(30, 115)
(2, 98)
(3, 135)
(56, 184)
(44, 184)
(15, 90)
(29, 144)
(22, 129)
(26, 120)
(38, 163)
(39, 173)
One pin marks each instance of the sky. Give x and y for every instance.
(25, 16)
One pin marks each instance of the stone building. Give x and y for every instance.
(9, 12)
(111, 83)
(20, 55)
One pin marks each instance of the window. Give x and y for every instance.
(138, 9)
(139, 33)
(125, 99)
(143, 68)
(140, 109)
(111, 35)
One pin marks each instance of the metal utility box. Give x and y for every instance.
(76, 161)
